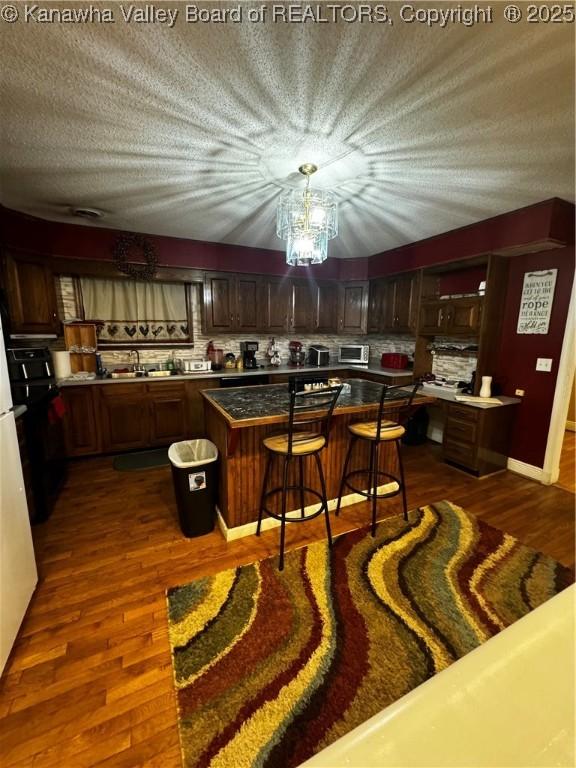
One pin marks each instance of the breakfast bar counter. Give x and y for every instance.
(237, 421)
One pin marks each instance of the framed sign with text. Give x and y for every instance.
(536, 302)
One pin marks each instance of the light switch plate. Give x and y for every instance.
(544, 364)
(519, 393)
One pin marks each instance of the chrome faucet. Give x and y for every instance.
(137, 366)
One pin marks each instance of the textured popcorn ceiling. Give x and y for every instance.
(194, 131)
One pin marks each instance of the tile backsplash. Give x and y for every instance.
(457, 366)
(454, 365)
(68, 308)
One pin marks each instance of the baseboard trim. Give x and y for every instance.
(571, 426)
(249, 529)
(529, 470)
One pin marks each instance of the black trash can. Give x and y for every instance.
(195, 474)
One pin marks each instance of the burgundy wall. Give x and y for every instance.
(462, 281)
(79, 241)
(549, 219)
(518, 353)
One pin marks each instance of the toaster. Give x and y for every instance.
(198, 365)
(319, 355)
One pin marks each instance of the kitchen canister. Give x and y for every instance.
(486, 388)
(61, 361)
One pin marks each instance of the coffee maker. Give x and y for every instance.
(249, 349)
(297, 355)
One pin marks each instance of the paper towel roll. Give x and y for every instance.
(61, 362)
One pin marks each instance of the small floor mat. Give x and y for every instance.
(141, 460)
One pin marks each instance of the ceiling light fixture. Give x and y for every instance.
(307, 221)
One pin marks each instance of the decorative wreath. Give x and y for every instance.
(121, 252)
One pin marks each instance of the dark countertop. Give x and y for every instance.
(269, 370)
(269, 403)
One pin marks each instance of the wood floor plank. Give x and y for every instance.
(89, 681)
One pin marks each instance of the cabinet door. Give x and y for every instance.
(404, 304)
(275, 303)
(31, 294)
(80, 424)
(463, 316)
(433, 317)
(220, 312)
(353, 310)
(124, 416)
(389, 306)
(247, 303)
(376, 305)
(325, 318)
(300, 307)
(168, 409)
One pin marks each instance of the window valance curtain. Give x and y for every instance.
(132, 310)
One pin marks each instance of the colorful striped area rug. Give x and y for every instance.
(270, 667)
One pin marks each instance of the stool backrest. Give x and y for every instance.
(311, 409)
(400, 396)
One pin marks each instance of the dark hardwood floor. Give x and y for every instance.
(89, 681)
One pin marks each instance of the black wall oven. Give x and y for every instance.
(33, 384)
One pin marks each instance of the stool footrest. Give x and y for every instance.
(368, 493)
(293, 518)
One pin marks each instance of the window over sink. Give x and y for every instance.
(134, 312)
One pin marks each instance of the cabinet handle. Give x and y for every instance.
(238, 319)
(232, 319)
(441, 315)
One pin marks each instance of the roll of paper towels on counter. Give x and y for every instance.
(61, 362)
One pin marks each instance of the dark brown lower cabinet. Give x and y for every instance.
(477, 439)
(168, 413)
(123, 416)
(81, 431)
(111, 418)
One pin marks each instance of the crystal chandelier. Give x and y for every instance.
(307, 221)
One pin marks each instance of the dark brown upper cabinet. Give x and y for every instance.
(376, 297)
(393, 304)
(231, 302)
(451, 317)
(31, 293)
(353, 308)
(399, 309)
(301, 298)
(275, 304)
(248, 288)
(325, 307)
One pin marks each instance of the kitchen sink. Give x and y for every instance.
(124, 374)
(158, 374)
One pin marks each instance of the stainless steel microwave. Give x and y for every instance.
(354, 353)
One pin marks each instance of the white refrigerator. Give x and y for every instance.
(18, 574)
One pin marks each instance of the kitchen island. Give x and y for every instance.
(237, 421)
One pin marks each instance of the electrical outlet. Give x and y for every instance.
(519, 393)
(544, 364)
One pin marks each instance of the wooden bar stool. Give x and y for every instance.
(308, 429)
(377, 432)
